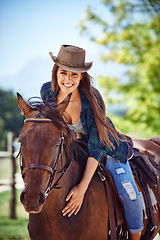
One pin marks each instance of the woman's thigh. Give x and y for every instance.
(123, 178)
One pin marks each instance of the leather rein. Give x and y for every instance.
(53, 170)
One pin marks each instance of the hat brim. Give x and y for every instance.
(86, 67)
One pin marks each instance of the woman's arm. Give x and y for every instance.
(76, 194)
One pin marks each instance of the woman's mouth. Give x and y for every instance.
(67, 85)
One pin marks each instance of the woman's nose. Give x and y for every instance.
(68, 77)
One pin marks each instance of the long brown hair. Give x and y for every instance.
(105, 129)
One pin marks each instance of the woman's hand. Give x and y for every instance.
(75, 196)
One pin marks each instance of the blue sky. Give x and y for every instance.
(30, 29)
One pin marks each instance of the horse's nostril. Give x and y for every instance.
(32, 202)
(22, 197)
(41, 199)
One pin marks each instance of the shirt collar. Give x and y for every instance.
(84, 99)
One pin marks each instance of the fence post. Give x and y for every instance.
(13, 172)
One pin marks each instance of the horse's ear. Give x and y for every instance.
(26, 110)
(62, 106)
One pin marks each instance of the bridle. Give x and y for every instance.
(53, 170)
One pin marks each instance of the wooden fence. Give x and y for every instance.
(10, 153)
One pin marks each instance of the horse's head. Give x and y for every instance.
(41, 141)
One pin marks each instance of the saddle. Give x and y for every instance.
(117, 221)
(147, 175)
(148, 171)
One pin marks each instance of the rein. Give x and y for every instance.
(53, 170)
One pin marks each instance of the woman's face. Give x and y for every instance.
(68, 81)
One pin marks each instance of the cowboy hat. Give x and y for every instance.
(71, 58)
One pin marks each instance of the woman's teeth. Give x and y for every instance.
(67, 85)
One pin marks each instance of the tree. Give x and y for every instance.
(151, 5)
(11, 119)
(132, 40)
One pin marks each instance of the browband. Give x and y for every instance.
(37, 120)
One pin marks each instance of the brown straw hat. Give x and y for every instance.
(71, 58)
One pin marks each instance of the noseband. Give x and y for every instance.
(53, 170)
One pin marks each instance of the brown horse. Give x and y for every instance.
(49, 172)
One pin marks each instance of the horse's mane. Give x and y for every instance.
(72, 148)
(49, 110)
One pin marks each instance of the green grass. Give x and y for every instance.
(12, 228)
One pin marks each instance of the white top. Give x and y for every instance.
(77, 127)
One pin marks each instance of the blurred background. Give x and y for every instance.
(121, 37)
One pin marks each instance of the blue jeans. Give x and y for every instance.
(128, 192)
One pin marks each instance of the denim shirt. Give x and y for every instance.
(95, 147)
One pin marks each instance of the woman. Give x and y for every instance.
(86, 115)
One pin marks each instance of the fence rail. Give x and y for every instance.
(4, 154)
(10, 153)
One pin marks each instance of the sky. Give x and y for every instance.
(30, 29)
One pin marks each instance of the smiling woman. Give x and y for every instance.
(86, 113)
(68, 82)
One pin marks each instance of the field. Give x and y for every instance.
(16, 228)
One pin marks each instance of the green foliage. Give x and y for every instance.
(131, 39)
(10, 116)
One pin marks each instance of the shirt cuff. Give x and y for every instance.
(98, 155)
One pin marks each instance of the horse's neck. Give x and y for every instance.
(71, 178)
(70, 170)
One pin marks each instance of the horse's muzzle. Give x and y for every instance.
(33, 203)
